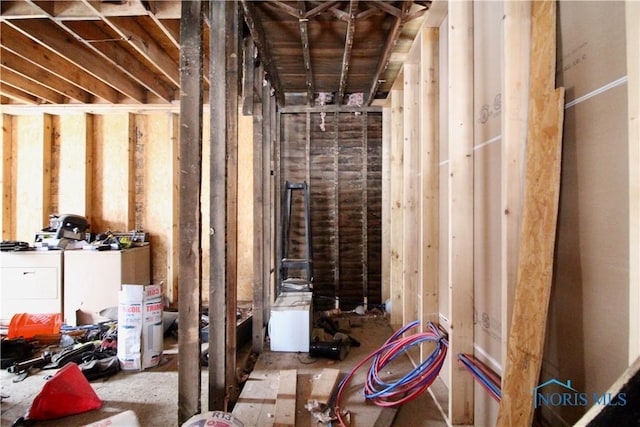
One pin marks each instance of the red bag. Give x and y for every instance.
(67, 393)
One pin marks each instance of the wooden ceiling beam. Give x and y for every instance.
(140, 40)
(257, 32)
(35, 73)
(348, 44)
(296, 13)
(388, 47)
(109, 47)
(16, 80)
(320, 8)
(17, 95)
(388, 8)
(22, 45)
(54, 38)
(304, 38)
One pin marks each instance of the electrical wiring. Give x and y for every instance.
(411, 385)
(485, 377)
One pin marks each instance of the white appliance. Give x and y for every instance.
(290, 322)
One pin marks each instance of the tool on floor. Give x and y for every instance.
(300, 262)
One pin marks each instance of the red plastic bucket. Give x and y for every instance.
(28, 325)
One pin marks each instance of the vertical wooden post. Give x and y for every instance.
(429, 185)
(173, 247)
(539, 219)
(259, 247)
(410, 223)
(7, 205)
(385, 281)
(396, 188)
(223, 207)
(515, 96)
(232, 83)
(190, 181)
(633, 85)
(461, 384)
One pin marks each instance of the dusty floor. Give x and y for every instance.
(153, 394)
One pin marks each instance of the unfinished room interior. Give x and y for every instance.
(297, 213)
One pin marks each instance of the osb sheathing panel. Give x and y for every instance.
(112, 158)
(73, 138)
(32, 156)
(589, 300)
(156, 132)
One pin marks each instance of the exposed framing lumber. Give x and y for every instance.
(18, 94)
(385, 281)
(173, 247)
(7, 205)
(328, 109)
(285, 412)
(461, 157)
(248, 76)
(517, 39)
(540, 211)
(410, 197)
(320, 8)
(14, 41)
(88, 33)
(271, 158)
(120, 59)
(259, 246)
(336, 208)
(257, 33)
(232, 84)
(43, 77)
(429, 181)
(130, 30)
(395, 191)
(218, 209)
(633, 85)
(306, 51)
(57, 41)
(365, 210)
(392, 37)
(348, 45)
(16, 80)
(190, 266)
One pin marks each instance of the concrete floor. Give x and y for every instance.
(153, 394)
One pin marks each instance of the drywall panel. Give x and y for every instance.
(487, 291)
(487, 66)
(487, 103)
(588, 308)
(591, 45)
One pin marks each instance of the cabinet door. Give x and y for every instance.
(29, 290)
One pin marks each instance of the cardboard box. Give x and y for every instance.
(140, 331)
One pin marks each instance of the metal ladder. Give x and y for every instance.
(287, 262)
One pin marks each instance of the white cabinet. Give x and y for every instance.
(30, 282)
(92, 280)
(290, 322)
